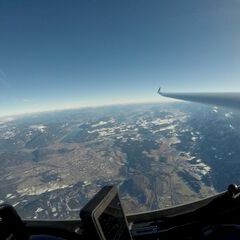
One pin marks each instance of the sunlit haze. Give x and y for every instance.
(68, 54)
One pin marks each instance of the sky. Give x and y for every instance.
(57, 54)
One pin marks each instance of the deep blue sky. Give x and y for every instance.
(58, 54)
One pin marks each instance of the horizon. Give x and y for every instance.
(43, 111)
(162, 99)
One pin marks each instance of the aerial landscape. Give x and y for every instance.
(142, 95)
(160, 155)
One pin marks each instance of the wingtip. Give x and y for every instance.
(159, 91)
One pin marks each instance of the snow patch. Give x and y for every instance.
(10, 133)
(39, 210)
(41, 128)
(99, 124)
(228, 115)
(37, 190)
(54, 210)
(194, 139)
(10, 196)
(215, 109)
(160, 121)
(15, 204)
